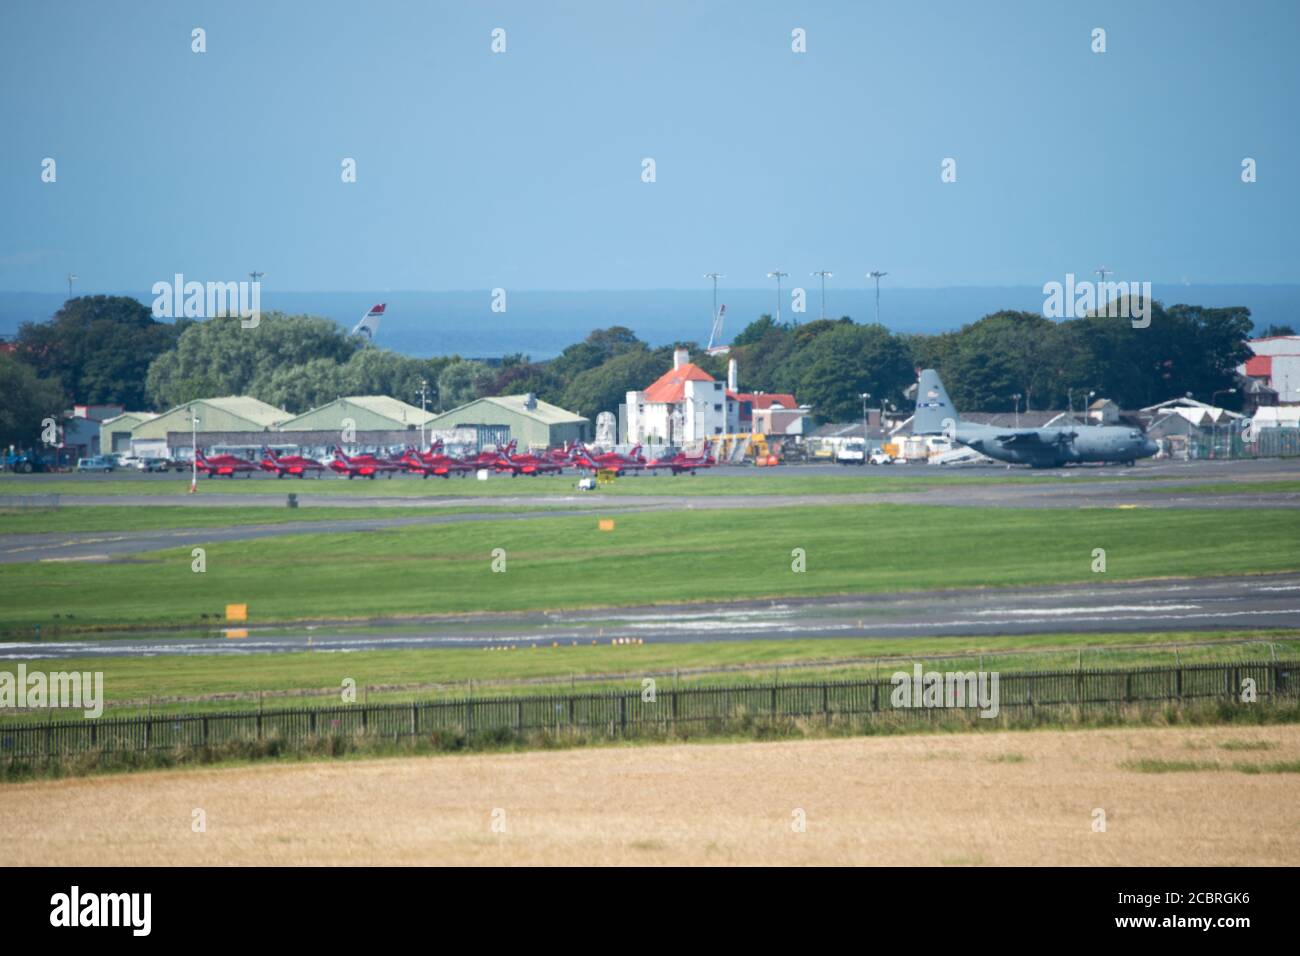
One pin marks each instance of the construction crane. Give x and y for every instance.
(715, 346)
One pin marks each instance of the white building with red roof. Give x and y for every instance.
(1275, 367)
(685, 404)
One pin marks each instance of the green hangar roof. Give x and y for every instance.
(366, 412)
(538, 411)
(234, 413)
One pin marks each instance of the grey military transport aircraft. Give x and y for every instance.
(1039, 447)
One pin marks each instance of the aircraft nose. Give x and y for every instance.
(1150, 447)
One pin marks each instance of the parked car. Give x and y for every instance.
(881, 457)
(152, 464)
(98, 463)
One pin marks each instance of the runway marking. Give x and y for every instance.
(1145, 608)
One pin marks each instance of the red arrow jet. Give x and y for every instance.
(295, 466)
(682, 462)
(227, 465)
(433, 462)
(525, 464)
(621, 464)
(362, 466)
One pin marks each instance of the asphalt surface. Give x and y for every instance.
(1182, 604)
(1068, 488)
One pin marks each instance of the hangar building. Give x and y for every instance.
(241, 421)
(524, 418)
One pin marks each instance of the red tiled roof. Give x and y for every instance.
(671, 386)
(768, 399)
(1260, 366)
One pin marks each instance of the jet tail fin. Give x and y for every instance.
(933, 406)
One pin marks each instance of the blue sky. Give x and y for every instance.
(523, 169)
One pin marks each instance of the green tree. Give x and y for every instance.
(605, 387)
(25, 401)
(99, 348)
(220, 357)
(835, 366)
(461, 382)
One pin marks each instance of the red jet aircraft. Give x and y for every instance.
(294, 465)
(525, 464)
(681, 462)
(226, 465)
(433, 462)
(620, 464)
(362, 466)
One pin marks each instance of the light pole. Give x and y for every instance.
(424, 401)
(824, 276)
(778, 275)
(1016, 398)
(877, 275)
(864, 396)
(194, 452)
(1222, 391)
(71, 279)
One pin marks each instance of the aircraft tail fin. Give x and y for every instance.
(369, 324)
(933, 406)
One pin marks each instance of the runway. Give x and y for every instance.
(1181, 604)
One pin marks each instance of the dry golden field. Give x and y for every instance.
(981, 798)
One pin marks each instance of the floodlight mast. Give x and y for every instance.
(1103, 272)
(778, 275)
(71, 279)
(824, 276)
(877, 275)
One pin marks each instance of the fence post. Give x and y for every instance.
(622, 714)
(205, 731)
(519, 716)
(415, 719)
(826, 708)
(148, 732)
(1178, 684)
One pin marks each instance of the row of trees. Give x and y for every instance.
(102, 349)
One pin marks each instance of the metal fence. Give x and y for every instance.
(619, 714)
(1226, 441)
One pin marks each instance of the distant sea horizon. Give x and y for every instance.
(542, 323)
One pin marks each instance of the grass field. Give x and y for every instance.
(111, 518)
(211, 683)
(986, 798)
(565, 562)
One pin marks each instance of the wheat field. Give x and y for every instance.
(963, 799)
